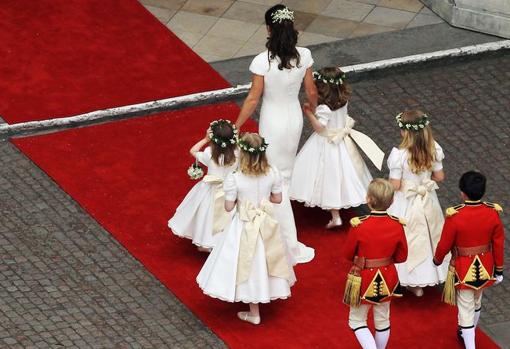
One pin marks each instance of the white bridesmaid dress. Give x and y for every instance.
(218, 277)
(193, 219)
(422, 237)
(325, 174)
(281, 124)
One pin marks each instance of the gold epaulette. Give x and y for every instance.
(450, 211)
(495, 206)
(355, 221)
(400, 220)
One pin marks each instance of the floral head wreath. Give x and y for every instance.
(417, 125)
(243, 145)
(222, 142)
(335, 81)
(283, 14)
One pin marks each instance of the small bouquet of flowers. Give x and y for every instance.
(195, 172)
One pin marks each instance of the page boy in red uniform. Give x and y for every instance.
(374, 244)
(473, 233)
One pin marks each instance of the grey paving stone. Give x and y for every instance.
(66, 283)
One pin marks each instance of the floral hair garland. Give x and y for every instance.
(243, 145)
(336, 81)
(281, 15)
(412, 126)
(222, 142)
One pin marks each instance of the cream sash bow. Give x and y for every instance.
(349, 136)
(259, 221)
(423, 221)
(220, 217)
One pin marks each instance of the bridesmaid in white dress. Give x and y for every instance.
(198, 217)
(415, 169)
(277, 76)
(250, 263)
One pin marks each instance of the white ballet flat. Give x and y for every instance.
(204, 249)
(332, 224)
(245, 316)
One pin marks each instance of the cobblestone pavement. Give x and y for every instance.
(66, 283)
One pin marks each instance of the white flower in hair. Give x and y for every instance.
(282, 14)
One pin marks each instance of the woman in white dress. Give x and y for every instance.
(278, 74)
(201, 216)
(415, 169)
(329, 171)
(250, 263)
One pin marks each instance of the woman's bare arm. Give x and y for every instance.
(310, 89)
(252, 100)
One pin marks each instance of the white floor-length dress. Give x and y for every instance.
(193, 219)
(218, 277)
(281, 124)
(417, 203)
(326, 174)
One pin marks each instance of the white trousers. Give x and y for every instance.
(358, 316)
(468, 301)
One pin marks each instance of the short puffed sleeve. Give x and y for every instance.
(305, 58)
(277, 186)
(395, 163)
(204, 156)
(230, 187)
(323, 114)
(260, 64)
(438, 161)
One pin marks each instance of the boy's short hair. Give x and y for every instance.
(380, 194)
(472, 183)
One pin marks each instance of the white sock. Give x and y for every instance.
(477, 316)
(365, 338)
(468, 334)
(381, 338)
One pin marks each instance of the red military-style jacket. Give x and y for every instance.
(469, 225)
(376, 236)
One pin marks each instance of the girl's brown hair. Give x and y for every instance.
(223, 156)
(253, 164)
(334, 96)
(419, 144)
(282, 39)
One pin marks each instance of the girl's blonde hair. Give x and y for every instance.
(253, 163)
(223, 132)
(333, 95)
(420, 143)
(379, 194)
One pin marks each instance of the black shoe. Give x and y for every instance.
(459, 336)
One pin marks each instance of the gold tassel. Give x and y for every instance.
(352, 290)
(449, 287)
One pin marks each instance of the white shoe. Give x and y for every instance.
(246, 316)
(204, 249)
(417, 291)
(334, 223)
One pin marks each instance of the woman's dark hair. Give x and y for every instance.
(282, 39)
(472, 184)
(223, 156)
(334, 96)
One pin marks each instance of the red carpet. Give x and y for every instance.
(131, 175)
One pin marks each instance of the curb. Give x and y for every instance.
(223, 95)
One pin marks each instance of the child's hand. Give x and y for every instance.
(207, 135)
(307, 108)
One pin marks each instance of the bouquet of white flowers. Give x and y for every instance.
(195, 172)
